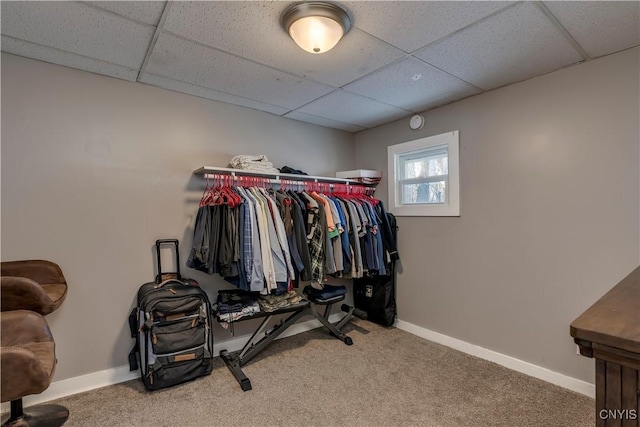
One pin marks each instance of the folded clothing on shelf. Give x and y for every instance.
(256, 163)
(287, 169)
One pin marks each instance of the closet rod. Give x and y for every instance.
(276, 177)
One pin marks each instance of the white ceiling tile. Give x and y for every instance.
(148, 12)
(410, 25)
(600, 27)
(413, 85)
(350, 108)
(214, 95)
(208, 22)
(78, 28)
(194, 63)
(252, 30)
(514, 45)
(54, 56)
(297, 115)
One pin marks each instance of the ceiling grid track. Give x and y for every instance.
(396, 61)
(154, 39)
(567, 35)
(119, 15)
(208, 88)
(68, 52)
(411, 54)
(479, 21)
(448, 73)
(474, 23)
(350, 93)
(208, 46)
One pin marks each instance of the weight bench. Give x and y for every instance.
(327, 297)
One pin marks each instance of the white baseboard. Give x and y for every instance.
(518, 365)
(80, 384)
(119, 374)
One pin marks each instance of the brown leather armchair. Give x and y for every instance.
(35, 285)
(27, 361)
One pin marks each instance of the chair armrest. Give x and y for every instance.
(21, 293)
(40, 271)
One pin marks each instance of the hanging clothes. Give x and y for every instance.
(264, 241)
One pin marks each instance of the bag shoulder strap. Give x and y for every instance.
(133, 326)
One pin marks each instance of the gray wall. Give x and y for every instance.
(95, 169)
(549, 211)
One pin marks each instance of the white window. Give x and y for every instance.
(424, 176)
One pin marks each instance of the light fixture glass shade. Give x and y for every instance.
(315, 26)
(316, 34)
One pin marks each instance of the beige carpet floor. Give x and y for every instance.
(387, 378)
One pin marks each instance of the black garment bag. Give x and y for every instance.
(376, 294)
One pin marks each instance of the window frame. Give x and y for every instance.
(450, 141)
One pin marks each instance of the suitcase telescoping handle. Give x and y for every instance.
(167, 282)
(159, 243)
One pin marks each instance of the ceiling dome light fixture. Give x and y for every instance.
(316, 26)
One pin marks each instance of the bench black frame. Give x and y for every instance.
(237, 359)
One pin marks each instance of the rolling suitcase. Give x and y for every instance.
(172, 328)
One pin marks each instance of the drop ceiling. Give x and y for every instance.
(399, 58)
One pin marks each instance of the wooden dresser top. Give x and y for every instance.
(613, 320)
